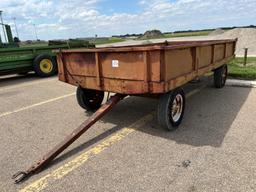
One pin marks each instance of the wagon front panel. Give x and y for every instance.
(120, 72)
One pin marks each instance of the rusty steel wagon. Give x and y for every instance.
(144, 70)
(154, 69)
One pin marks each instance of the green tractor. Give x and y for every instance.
(15, 59)
(10, 39)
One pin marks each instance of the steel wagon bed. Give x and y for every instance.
(154, 68)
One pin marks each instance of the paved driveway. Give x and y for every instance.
(213, 150)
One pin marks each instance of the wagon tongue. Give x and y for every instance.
(47, 158)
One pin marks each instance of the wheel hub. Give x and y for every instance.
(46, 65)
(177, 107)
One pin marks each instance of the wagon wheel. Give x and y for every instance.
(44, 65)
(89, 99)
(220, 76)
(171, 109)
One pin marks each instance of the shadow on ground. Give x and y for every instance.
(208, 117)
(10, 80)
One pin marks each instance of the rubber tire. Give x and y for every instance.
(36, 65)
(163, 110)
(83, 98)
(219, 82)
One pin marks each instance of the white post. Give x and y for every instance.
(3, 26)
(35, 31)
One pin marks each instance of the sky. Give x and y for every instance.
(61, 19)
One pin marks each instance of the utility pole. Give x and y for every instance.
(35, 31)
(16, 29)
(3, 25)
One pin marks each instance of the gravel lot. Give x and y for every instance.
(213, 150)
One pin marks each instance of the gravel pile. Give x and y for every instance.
(152, 34)
(216, 32)
(246, 39)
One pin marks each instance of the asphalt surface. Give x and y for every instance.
(213, 150)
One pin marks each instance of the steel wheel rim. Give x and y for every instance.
(46, 65)
(177, 108)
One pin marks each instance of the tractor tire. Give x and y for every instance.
(44, 65)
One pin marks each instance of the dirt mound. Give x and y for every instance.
(153, 34)
(217, 32)
(246, 39)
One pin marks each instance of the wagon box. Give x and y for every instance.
(155, 69)
(145, 69)
(160, 68)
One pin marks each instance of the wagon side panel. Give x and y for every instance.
(80, 64)
(119, 65)
(219, 52)
(230, 49)
(155, 66)
(178, 62)
(204, 56)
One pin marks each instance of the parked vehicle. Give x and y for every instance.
(39, 59)
(144, 70)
